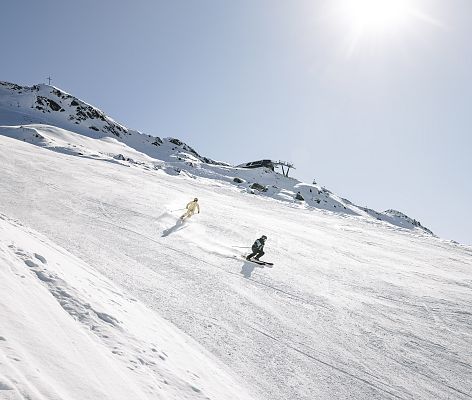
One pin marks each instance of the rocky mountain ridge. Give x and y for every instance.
(45, 115)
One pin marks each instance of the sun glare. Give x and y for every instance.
(371, 20)
(377, 14)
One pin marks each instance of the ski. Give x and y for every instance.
(259, 262)
(266, 263)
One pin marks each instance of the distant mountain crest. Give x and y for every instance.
(49, 105)
(414, 222)
(34, 114)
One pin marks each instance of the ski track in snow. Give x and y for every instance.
(153, 365)
(351, 309)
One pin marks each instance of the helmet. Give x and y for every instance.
(264, 237)
(195, 199)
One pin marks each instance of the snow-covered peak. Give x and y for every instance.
(59, 107)
(410, 221)
(50, 117)
(44, 104)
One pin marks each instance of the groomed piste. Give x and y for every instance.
(105, 294)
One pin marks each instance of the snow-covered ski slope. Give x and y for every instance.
(69, 333)
(354, 308)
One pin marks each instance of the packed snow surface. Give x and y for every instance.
(69, 333)
(353, 308)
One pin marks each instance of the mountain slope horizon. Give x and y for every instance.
(42, 104)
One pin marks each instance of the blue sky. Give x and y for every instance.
(384, 121)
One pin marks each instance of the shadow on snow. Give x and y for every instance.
(177, 227)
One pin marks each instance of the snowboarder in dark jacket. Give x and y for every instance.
(257, 248)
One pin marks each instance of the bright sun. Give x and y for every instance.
(372, 20)
(377, 15)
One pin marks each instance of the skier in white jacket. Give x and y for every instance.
(191, 208)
